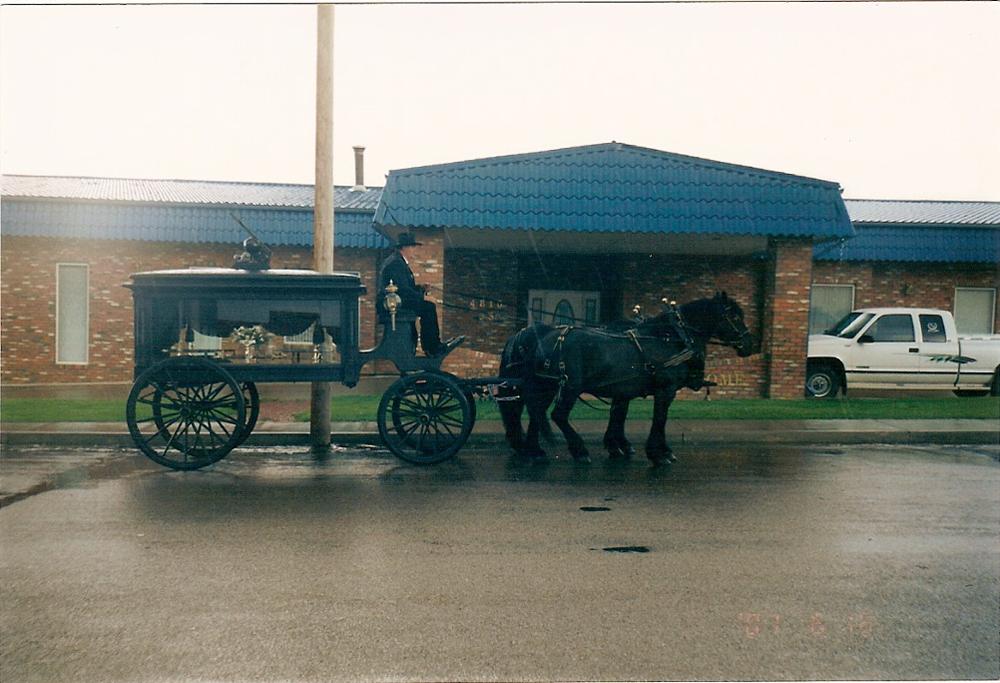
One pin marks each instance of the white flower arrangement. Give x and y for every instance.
(250, 336)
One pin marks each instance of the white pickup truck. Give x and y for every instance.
(901, 348)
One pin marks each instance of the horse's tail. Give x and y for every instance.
(518, 362)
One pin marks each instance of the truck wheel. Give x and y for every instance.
(822, 381)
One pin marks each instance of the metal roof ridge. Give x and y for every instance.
(613, 145)
(181, 180)
(171, 203)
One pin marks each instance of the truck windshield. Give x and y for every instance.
(850, 324)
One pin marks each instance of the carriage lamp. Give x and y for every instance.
(392, 302)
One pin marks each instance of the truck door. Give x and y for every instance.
(886, 353)
(938, 354)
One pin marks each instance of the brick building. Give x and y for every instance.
(581, 233)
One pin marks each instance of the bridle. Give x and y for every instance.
(729, 319)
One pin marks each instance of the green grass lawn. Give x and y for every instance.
(349, 408)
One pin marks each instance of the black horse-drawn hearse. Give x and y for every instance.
(205, 337)
(194, 398)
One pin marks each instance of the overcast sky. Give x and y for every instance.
(889, 100)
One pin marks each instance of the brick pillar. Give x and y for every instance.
(427, 264)
(786, 316)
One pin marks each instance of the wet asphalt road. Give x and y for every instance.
(780, 563)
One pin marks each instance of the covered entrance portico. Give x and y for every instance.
(618, 226)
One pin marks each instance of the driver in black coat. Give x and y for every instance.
(396, 269)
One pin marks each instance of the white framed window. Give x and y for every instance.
(72, 313)
(827, 305)
(974, 307)
(563, 307)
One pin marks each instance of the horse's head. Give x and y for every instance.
(729, 327)
(719, 318)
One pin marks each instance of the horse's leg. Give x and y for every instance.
(536, 400)
(510, 413)
(560, 415)
(657, 449)
(614, 437)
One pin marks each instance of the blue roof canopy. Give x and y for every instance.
(915, 244)
(169, 223)
(181, 210)
(612, 187)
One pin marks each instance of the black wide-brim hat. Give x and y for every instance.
(406, 240)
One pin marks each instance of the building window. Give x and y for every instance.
(827, 305)
(563, 307)
(72, 313)
(974, 308)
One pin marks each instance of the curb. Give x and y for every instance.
(680, 436)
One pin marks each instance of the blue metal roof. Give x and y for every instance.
(612, 187)
(915, 244)
(178, 223)
(183, 192)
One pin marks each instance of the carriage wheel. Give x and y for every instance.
(424, 418)
(251, 398)
(186, 413)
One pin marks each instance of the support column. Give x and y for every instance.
(786, 316)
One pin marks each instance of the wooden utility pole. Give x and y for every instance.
(319, 416)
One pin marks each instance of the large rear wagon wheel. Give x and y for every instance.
(186, 413)
(425, 418)
(251, 399)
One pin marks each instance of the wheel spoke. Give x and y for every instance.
(222, 425)
(173, 436)
(445, 427)
(223, 417)
(448, 419)
(407, 433)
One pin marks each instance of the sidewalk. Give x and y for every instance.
(487, 432)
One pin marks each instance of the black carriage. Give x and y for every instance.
(205, 337)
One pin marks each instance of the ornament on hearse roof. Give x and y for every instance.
(256, 255)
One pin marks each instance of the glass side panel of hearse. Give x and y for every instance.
(254, 330)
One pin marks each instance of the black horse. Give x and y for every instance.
(658, 356)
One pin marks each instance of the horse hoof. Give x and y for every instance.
(619, 453)
(660, 456)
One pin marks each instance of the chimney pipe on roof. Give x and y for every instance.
(359, 169)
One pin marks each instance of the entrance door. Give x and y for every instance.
(563, 307)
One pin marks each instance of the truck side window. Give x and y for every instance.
(932, 328)
(892, 328)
